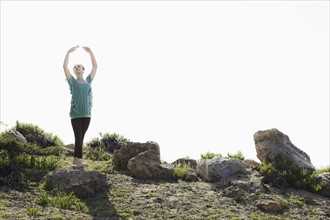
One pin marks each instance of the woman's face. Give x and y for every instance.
(78, 69)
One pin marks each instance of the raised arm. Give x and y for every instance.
(66, 61)
(94, 63)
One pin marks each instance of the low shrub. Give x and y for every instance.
(99, 142)
(180, 171)
(23, 163)
(27, 128)
(116, 136)
(292, 175)
(97, 154)
(209, 155)
(4, 161)
(238, 155)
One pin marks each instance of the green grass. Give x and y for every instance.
(33, 211)
(60, 199)
(323, 170)
(180, 171)
(97, 154)
(101, 166)
(294, 176)
(57, 216)
(238, 155)
(210, 155)
(4, 214)
(296, 200)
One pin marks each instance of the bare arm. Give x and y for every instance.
(66, 61)
(94, 63)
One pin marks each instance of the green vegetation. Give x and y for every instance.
(210, 155)
(293, 175)
(33, 210)
(25, 163)
(238, 155)
(296, 200)
(99, 142)
(59, 199)
(24, 194)
(101, 166)
(180, 171)
(323, 170)
(97, 154)
(27, 128)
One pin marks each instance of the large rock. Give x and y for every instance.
(324, 178)
(219, 168)
(147, 165)
(82, 183)
(132, 149)
(40, 140)
(273, 143)
(18, 136)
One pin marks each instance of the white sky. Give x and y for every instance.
(192, 76)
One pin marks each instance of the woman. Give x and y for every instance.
(81, 101)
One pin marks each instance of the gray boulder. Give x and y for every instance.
(40, 140)
(273, 143)
(219, 168)
(82, 183)
(147, 165)
(325, 179)
(132, 149)
(18, 136)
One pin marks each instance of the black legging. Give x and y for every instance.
(80, 126)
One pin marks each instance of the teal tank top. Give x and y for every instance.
(81, 100)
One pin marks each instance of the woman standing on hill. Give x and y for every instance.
(81, 100)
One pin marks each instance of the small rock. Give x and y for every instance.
(191, 176)
(324, 178)
(269, 205)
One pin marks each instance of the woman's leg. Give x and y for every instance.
(80, 126)
(77, 129)
(85, 125)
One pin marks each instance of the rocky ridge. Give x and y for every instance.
(139, 186)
